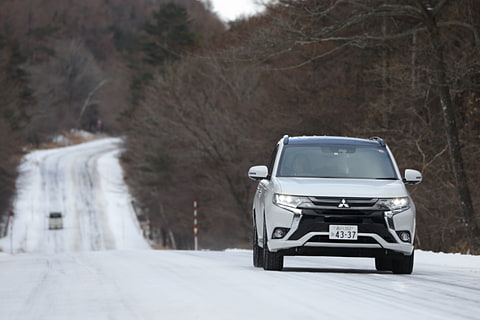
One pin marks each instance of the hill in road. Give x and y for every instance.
(85, 183)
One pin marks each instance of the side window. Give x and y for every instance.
(272, 161)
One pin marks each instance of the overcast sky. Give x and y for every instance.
(232, 9)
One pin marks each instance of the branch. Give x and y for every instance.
(323, 55)
(87, 101)
(436, 156)
(426, 165)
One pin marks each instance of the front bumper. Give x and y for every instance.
(377, 233)
(306, 246)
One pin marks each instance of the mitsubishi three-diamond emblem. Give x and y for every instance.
(343, 204)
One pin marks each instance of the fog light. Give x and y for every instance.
(279, 233)
(404, 236)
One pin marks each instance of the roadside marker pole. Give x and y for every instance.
(195, 224)
(10, 220)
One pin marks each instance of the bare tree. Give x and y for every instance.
(62, 87)
(200, 110)
(430, 16)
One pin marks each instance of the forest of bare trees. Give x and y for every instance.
(199, 101)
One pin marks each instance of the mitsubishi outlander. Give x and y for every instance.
(333, 196)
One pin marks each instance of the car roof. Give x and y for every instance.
(303, 140)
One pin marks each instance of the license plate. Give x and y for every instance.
(338, 232)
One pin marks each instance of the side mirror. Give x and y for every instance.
(412, 176)
(258, 172)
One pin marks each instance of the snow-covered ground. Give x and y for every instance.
(96, 268)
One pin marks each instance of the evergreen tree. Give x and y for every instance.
(169, 35)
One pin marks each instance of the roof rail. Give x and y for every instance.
(380, 141)
(285, 139)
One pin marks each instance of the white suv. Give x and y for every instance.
(333, 196)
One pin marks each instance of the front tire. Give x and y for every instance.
(257, 250)
(403, 265)
(383, 263)
(271, 260)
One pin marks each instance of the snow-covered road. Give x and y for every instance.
(224, 285)
(96, 268)
(85, 183)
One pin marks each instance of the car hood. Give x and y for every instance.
(325, 187)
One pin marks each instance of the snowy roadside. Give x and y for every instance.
(65, 139)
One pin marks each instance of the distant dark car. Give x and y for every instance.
(55, 220)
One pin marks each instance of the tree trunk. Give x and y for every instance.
(448, 113)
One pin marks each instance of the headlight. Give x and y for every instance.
(395, 205)
(284, 200)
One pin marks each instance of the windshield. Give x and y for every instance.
(336, 161)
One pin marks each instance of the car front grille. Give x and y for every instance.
(362, 212)
(344, 203)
